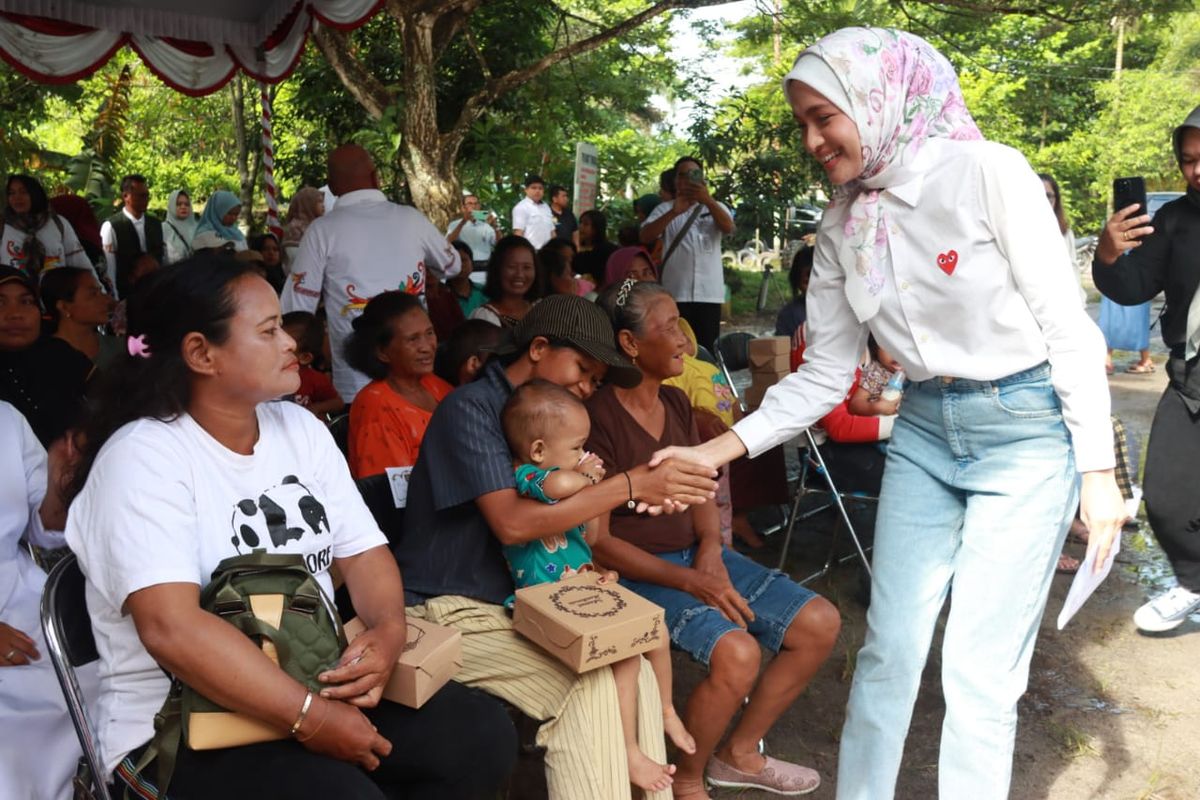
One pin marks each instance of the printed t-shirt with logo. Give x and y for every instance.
(165, 503)
(365, 246)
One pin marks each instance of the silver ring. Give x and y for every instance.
(11, 653)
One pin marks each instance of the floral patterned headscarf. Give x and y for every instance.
(901, 93)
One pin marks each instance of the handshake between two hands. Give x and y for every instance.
(675, 479)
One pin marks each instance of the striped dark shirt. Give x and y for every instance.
(446, 546)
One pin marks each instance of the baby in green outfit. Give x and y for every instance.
(546, 427)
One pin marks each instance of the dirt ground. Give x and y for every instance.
(1110, 714)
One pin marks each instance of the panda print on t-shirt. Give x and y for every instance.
(286, 512)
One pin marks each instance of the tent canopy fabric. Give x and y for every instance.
(195, 51)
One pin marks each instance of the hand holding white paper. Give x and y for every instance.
(1086, 581)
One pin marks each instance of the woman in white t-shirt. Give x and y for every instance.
(188, 462)
(35, 238)
(937, 243)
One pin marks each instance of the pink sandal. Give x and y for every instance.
(777, 777)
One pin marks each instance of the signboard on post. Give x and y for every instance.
(587, 177)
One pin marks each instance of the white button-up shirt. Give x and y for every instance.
(693, 273)
(977, 289)
(479, 236)
(535, 221)
(108, 240)
(364, 246)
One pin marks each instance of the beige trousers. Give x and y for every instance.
(581, 730)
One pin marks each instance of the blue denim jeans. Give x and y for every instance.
(978, 493)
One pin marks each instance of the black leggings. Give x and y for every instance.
(460, 744)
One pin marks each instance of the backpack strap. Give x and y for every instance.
(164, 747)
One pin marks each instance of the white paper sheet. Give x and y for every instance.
(398, 481)
(1086, 582)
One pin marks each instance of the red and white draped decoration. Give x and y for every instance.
(195, 51)
(268, 146)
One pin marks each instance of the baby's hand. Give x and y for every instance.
(591, 466)
(608, 576)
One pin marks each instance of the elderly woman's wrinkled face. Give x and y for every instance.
(1189, 162)
(659, 347)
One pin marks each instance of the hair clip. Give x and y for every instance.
(137, 346)
(623, 292)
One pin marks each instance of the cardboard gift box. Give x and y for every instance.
(211, 730)
(754, 394)
(777, 364)
(767, 347)
(432, 655)
(587, 624)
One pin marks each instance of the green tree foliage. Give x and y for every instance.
(519, 79)
(1037, 76)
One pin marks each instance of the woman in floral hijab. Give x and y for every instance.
(937, 244)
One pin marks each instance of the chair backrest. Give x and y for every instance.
(704, 354)
(70, 642)
(339, 428)
(376, 491)
(733, 350)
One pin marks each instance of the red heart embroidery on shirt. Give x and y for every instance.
(948, 261)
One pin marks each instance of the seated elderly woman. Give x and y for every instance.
(394, 343)
(187, 462)
(720, 606)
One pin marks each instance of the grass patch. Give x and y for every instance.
(850, 664)
(1074, 742)
(744, 286)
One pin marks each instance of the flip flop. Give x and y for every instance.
(1140, 369)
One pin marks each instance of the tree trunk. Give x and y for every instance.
(432, 171)
(245, 178)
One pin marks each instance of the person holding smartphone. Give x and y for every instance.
(1134, 262)
(477, 229)
(691, 226)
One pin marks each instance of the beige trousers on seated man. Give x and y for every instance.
(585, 749)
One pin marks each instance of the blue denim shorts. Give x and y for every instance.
(695, 627)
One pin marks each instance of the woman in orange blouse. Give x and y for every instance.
(394, 343)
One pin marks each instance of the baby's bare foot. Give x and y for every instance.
(673, 726)
(647, 774)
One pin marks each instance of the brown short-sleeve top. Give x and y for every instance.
(620, 440)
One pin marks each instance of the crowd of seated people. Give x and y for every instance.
(161, 412)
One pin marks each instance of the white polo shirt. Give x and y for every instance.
(535, 221)
(977, 289)
(364, 246)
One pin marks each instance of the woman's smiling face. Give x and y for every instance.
(830, 136)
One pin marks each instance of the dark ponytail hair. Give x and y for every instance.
(59, 284)
(373, 330)
(191, 296)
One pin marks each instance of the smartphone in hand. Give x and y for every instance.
(1129, 191)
